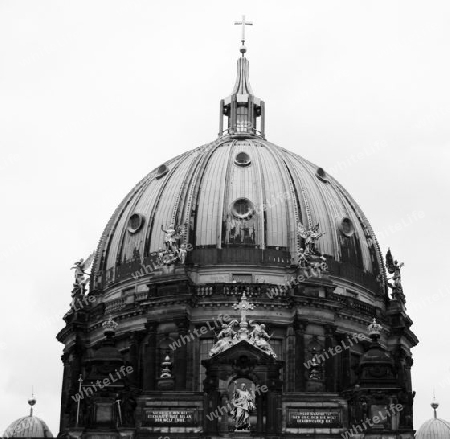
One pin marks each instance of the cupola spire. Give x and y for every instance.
(434, 405)
(244, 111)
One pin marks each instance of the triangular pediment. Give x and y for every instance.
(241, 349)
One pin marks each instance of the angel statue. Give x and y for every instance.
(80, 271)
(243, 403)
(224, 339)
(310, 236)
(394, 268)
(260, 338)
(172, 236)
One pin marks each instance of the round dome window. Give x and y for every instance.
(135, 222)
(242, 159)
(242, 208)
(347, 227)
(162, 171)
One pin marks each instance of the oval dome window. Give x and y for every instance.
(135, 222)
(242, 208)
(162, 171)
(322, 175)
(347, 227)
(242, 159)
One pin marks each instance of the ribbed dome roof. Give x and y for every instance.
(201, 187)
(434, 429)
(28, 426)
(241, 191)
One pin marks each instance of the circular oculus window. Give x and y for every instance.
(242, 208)
(242, 159)
(347, 227)
(135, 222)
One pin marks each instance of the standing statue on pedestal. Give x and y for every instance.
(243, 403)
(169, 238)
(182, 252)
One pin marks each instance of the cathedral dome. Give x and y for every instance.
(240, 199)
(236, 261)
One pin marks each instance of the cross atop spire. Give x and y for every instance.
(243, 23)
(242, 111)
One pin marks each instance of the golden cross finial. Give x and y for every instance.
(243, 23)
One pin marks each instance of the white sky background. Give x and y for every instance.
(95, 94)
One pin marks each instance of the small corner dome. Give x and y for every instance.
(29, 427)
(434, 428)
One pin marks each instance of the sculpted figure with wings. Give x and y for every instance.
(394, 268)
(310, 236)
(80, 268)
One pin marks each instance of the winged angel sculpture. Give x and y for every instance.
(310, 236)
(394, 268)
(81, 276)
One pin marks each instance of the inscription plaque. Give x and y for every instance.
(169, 417)
(307, 418)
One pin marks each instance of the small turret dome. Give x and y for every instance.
(434, 428)
(28, 426)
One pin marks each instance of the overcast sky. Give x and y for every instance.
(95, 94)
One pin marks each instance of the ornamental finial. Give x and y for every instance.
(243, 23)
(32, 401)
(374, 330)
(434, 405)
(110, 325)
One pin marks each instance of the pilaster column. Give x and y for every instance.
(180, 356)
(135, 339)
(149, 356)
(331, 364)
(300, 327)
(289, 378)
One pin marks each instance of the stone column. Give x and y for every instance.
(300, 327)
(289, 377)
(260, 407)
(135, 339)
(149, 357)
(223, 412)
(180, 356)
(65, 394)
(332, 362)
